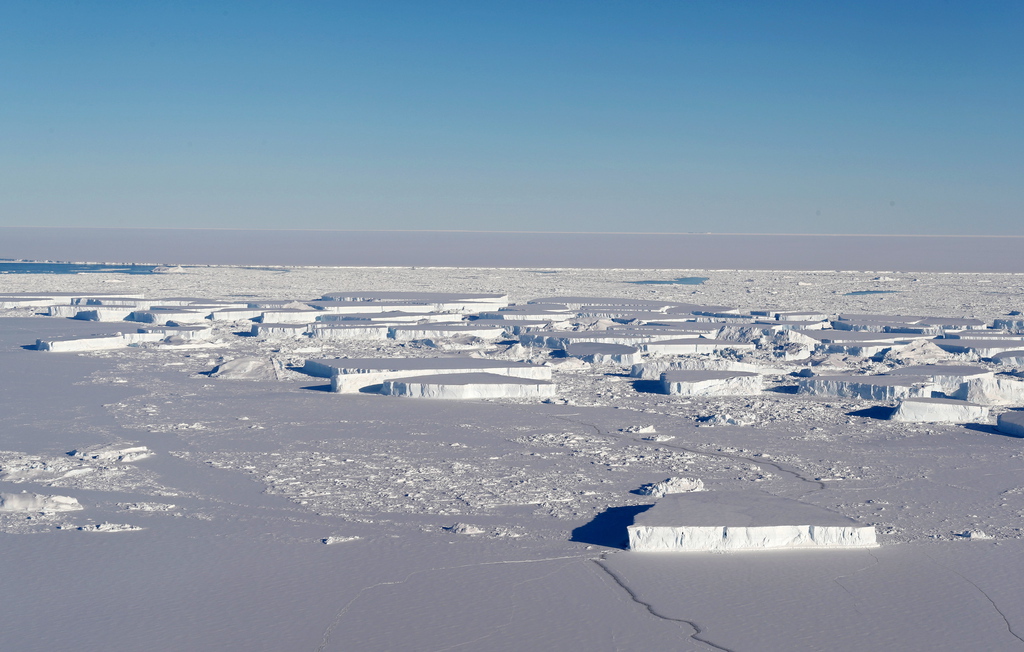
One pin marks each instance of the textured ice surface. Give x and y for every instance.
(248, 478)
(672, 486)
(353, 374)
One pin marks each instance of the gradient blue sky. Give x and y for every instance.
(782, 117)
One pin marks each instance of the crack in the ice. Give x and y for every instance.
(325, 640)
(859, 570)
(697, 629)
(1009, 627)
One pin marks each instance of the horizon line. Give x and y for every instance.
(509, 232)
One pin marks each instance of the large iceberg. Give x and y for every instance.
(349, 375)
(939, 410)
(597, 353)
(711, 383)
(870, 388)
(468, 386)
(734, 520)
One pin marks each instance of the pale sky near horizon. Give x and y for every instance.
(727, 117)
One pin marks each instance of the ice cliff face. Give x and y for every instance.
(37, 503)
(938, 410)
(711, 383)
(732, 520)
(710, 538)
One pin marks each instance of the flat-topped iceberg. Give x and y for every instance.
(350, 375)
(468, 386)
(869, 388)
(26, 502)
(603, 353)
(711, 383)
(938, 410)
(734, 520)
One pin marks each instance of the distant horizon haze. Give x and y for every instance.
(419, 248)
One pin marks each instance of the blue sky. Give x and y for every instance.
(782, 117)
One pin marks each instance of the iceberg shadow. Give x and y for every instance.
(874, 412)
(318, 388)
(989, 429)
(649, 386)
(608, 528)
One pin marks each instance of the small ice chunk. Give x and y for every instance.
(974, 534)
(464, 528)
(641, 430)
(330, 541)
(728, 420)
(672, 486)
(112, 453)
(110, 527)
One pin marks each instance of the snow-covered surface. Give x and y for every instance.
(720, 521)
(496, 524)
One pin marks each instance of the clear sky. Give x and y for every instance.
(648, 116)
